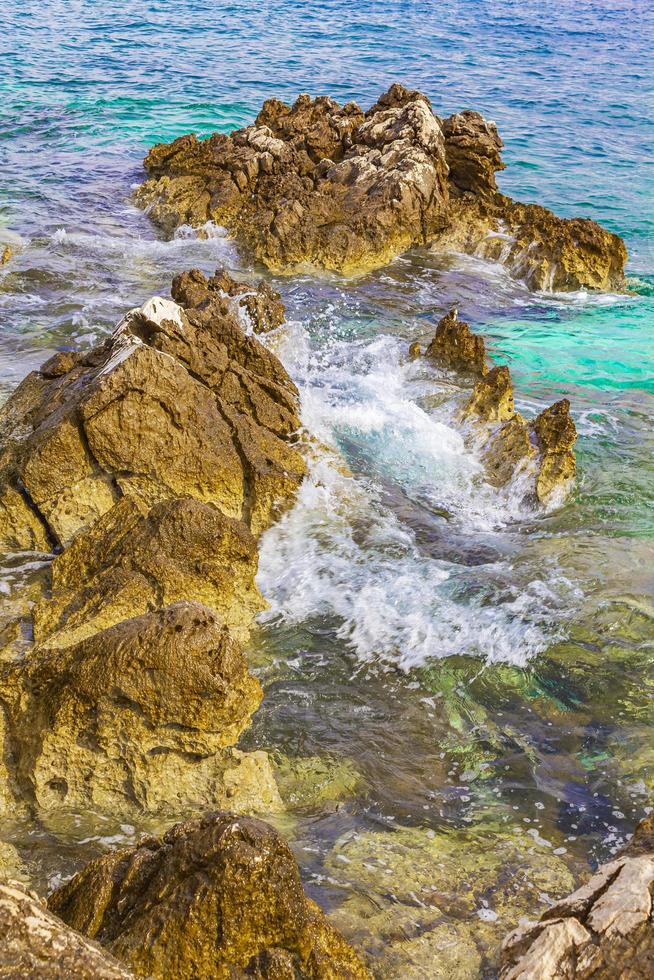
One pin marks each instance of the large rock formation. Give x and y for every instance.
(540, 452)
(151, 463)
(38, 946)
(339, 188)
(217, 897)
(603, 931)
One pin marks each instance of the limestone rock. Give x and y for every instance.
(216, 897)
(140, 715)
(603, 931)
(492, 397)
(508, 448)
(343, 189)
(174, 404)
(556, 435)
(6, 254)
(456, 347)
(133, 560)
(38, 946)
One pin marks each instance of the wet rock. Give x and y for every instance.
(175, 403)
(604, 930)
(556, 435)
(6, 254)
(436, 903)
(346, 190)
(312, 781)
(508, 450)
(456, 347)
(220, 896)
(141, 715)
(492, 397)
(36, 945)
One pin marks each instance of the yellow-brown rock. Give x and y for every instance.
(492, 397)
(556, 435)
(219, 898)
(455, 346)
(134, 716)
(342, 189)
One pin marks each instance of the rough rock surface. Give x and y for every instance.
(216, 897)
(135, 715)
(456, 347)
(343, 189)
(38, 946)
(603, 931)
(540, 451)
(152, 463)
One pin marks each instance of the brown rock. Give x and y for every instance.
(131, 561)
(341, 189)
(138, 715)
(508, 448)
(175, 404)
(218, 897)
(5, 256)
(556, 435)
(603, 931)
(456, 347)
(492, 397)
(38, 946)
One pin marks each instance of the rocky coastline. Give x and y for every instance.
(148, 468)
(332, 187)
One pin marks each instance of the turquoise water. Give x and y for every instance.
(421, 628)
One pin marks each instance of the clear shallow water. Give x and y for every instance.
(479, 666)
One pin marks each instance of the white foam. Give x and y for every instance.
(343, 553)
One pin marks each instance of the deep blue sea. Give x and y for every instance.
(482, 669)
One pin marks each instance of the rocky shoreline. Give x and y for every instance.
(149, 467)
(326, 186)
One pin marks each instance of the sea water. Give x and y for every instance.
(481, 666)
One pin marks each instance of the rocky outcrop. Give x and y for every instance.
(603, 931)
(541, 452)
(151, 464)
(220, 896)
(36, 945)
(339, 188)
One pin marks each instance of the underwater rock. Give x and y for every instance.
(141, 715)
(38, 946)
(603, 931)
(219, 896)
(346, 190)
(455, 346)
(437, 902)
(312, 781)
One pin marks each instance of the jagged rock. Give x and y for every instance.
(219, 897)
(556, 435)
(140, 715)
(603, 931)
(38, 946)
(492, 397)
(456, 347)
(5, 256)
(341, 189)
(263, 306)
(174, 404)
(133, 560)
(508, 448)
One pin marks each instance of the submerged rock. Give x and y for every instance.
(343, 189)
(219, 897)
(603, 931)
(38, 946)
(436, 903)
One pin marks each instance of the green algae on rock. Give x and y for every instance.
(216, 897)
(346, 190)
(443, 898)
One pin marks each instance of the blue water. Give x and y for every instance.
(534, 634)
